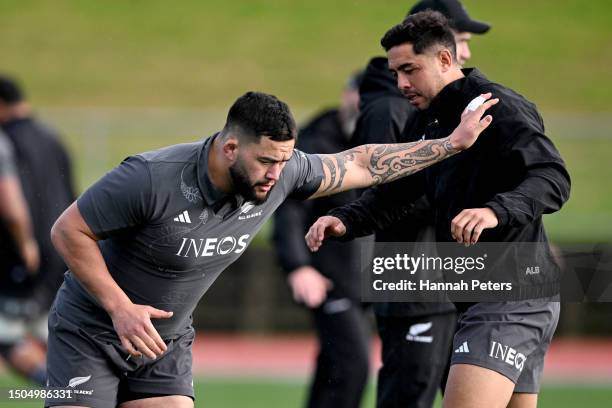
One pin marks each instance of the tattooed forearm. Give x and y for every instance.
(388, 162)
(368, 165)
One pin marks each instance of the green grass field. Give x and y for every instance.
(205, 53)
(253, 393)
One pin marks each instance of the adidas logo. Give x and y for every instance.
(183, 217)
(463, 348)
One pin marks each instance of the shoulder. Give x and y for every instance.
(179, 153)
(511, 104)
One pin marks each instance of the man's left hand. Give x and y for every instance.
(469, 224)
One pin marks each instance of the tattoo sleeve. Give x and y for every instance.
(392, 161)
(380, 163)
(337, 168)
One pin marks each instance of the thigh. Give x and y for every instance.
(168, 375)
(415, 352)
(522, 400)
(342, 327)
(416, 341)
(76, 364)
(170, 401)
(471, 386)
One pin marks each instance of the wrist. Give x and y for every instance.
(450, 145)
(113, 304)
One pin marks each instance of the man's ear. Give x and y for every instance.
(445, 58)
(230, 148)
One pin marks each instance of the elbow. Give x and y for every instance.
(58, 233)
(55, 233)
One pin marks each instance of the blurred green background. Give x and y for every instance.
(119, 77)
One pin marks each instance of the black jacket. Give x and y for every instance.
(513, 168)
(338, 261)
(46, 179)
(385, 113)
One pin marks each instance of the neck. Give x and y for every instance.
(454, 74)
(218, 169)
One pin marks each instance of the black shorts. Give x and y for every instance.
(510, 338)
(415, 354)
(100, 374)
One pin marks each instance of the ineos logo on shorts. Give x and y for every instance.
(212, 246)
(508, 355)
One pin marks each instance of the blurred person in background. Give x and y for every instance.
(30, 269)
(327, 282)
(416, 336)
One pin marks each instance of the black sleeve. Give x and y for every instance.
(380, 207)
(289, 229)
(545, 182)
(66, 171)
(119, 200)
(382, 121)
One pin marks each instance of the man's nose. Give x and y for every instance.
(403, 83)
(274, 172)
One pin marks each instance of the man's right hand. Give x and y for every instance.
(138, 336)
(309, 286)
(324, 227)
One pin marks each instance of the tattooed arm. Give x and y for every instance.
(372, 164)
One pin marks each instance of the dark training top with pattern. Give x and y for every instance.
(167, 233)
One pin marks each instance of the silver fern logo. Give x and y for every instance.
(78, 381)
(192, 194)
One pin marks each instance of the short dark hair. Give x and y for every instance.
(423, 30)
(257, 114)
(10, 92)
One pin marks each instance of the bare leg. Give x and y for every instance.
(170, 401)
(523, 400)
(471, 386)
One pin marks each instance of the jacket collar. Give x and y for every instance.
(448, 105)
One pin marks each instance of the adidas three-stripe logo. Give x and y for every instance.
(463, 348)
(183, 217)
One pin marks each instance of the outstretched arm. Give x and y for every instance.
(372, 164)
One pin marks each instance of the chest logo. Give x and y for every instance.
(191, 247)
(191, 193)
(246, 207)
(244, 211)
